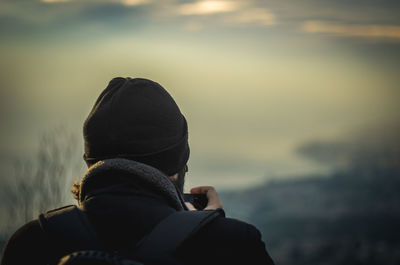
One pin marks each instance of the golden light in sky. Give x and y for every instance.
(208, 7)
(134, 2)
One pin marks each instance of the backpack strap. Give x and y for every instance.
(166, 237)
(70, 226)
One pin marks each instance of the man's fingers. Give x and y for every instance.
(190, 206)
(201, 189)
(213, 200)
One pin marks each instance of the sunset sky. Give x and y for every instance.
(255, 79)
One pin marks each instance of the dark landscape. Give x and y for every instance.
(349, 217)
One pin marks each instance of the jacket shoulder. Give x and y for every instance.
(28, 245)
(227, 241)
(233, 229)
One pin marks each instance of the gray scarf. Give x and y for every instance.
(159, 182)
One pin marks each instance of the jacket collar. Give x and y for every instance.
(131, 172)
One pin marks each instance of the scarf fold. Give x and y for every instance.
(131, 172)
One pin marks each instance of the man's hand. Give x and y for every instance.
(213, 200)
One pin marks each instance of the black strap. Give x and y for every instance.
(70, 226)
(171, 232)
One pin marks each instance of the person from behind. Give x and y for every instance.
(136, 148)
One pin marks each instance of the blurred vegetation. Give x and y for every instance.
(41, 184)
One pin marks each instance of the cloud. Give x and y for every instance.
(124, 2)
(257, 16)
(134, 2)
(371, 146)
(54, 1)
(363, 31)
(231, 13)
(207, 7)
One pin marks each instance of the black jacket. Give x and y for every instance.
(123, 211)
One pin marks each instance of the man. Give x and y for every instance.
(136, 148)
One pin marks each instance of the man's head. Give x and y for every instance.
(137, 119)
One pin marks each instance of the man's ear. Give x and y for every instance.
(178, 180)
(174, 177)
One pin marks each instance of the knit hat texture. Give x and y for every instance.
(137, 119)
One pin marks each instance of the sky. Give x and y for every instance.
(255, 79)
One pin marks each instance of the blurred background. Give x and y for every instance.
(293, 110)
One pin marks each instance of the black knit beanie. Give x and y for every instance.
(137, 119)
